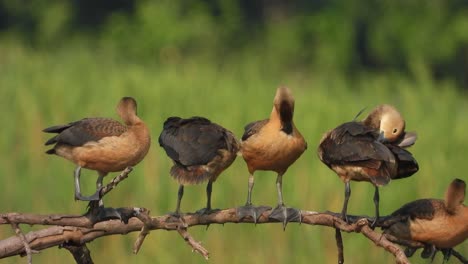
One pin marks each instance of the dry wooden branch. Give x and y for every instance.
(80, 253)
(196, 246)
(115, 181)
(145, 218)
(76, 229)
(21, 236)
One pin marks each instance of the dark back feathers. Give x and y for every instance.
(193, 141)
(80, 132)
(354, 144)
(422, 209)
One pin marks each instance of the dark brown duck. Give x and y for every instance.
(371, 150)
(200, 150)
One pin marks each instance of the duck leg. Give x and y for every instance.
(376, 202)
(180, 194)
(248, 209)
(344, 211)
(207, 209)
(78, 196)
(281, 212)
(97, 212)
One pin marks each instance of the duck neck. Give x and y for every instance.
(283, 116)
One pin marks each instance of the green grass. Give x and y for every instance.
(41, 89)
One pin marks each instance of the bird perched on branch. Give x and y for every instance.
(102, 144)
(442, 224)
(200, 150)
(371, 150)
(272, 144)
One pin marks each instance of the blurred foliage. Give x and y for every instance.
(349, 36)
(64, 60)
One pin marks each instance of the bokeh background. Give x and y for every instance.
(61, 61)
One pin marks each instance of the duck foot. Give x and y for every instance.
(206, 211)
(253, 211)
(285, 214)
(98, 213)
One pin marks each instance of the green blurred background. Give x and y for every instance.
(61, 61)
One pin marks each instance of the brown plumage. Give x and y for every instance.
(102, 144)
(272, 144)
(371, 150)
(200, 150)
(441, 223)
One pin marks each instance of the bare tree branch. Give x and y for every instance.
(77, 230)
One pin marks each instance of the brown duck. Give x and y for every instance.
(371, 150)
(102, 144)
(273, 144)
(200, 150)
(439, 223)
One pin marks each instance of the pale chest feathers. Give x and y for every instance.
(443, 231)
(273, 149)
(346, 173)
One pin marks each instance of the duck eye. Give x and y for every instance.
(395, 130)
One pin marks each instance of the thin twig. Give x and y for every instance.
(459, 257)
(114, 182)
(21, 236)
(144, 217)
(196, 246)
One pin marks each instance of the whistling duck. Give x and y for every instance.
(200, 150)
(272, 144)
(371, 150)
(102, 144)
(441, 223)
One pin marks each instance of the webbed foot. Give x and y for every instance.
(252, 211)
(285, 214)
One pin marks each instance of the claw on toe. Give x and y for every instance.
(285, 214)
(251, 211)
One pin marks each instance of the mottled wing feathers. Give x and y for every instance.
(192, 141)
(353, 144)
(349, 145)
(253, 128)
(89, 129)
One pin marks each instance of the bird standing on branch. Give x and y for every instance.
(200, 150)
(371, 150)
(272, 144)
(102, 144)
(442, 224)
